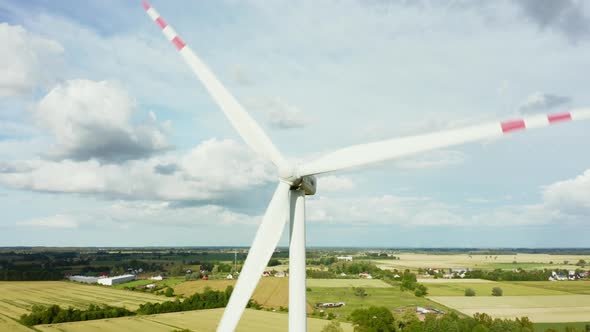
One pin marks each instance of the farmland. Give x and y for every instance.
(338, 283)
(17, 298)
(197, 321)
(391, 298)
(551, 308)
(485, 289)
(525, 261)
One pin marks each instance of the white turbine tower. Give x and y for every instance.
(297, 181)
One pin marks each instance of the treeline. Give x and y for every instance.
(208, 299)
(381, 319)
(55, 314)
(30, 275)
(507, 275)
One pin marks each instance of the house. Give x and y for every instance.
(229, 277)
(344, 258)
(158, 278)
(365, 275)
(396, 276)
(343, 274)
(150, 286)
(116, 280)
(266, 274)
(280, 274)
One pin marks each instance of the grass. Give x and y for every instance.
(541, 327)
(485, 289)
(197, 321)
(392, 298)
(10, 324)
(573, 287)
(551, 308)
(338, 283)
(166, 282)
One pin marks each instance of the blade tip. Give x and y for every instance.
(146, 5)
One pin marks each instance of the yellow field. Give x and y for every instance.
(197, 321)
(540, 309)
(415, 261)
(338, 283)
(17, 298)
(271, 292)
(8, 324)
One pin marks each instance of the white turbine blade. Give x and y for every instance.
(248, 129)
(266, 240)
(363, 154)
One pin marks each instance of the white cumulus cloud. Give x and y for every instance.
(25, 61)
(92, 120)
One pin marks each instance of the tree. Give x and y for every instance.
(420, 290)
(274, 262)
(469, 292)
(372, 319)
(359, 291)
(581, 263)
(177, 270)
(169, 292)
(497, 291)
(334, 326)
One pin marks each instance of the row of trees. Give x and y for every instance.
(208, 299)
(55, 314)
(380, 319)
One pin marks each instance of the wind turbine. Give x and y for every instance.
(297, 181)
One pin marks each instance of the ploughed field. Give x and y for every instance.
(544, 301)
(197, 321)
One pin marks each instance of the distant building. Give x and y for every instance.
(229, 277)
(365, 275)
(344, 258)
(84, 279)
(330, 304)
(266, 274)
(150, 286)
(158, 278)
(116, 280)
(280, 274)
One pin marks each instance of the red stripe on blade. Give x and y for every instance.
(178, 43)
(161, 22)
(146, 5)
(514, 125)
(559, 117)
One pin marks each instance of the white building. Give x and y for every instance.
(84, 279)
(158, 278)
(344, 258)
(116, 280)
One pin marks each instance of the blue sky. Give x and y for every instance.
(107, 139)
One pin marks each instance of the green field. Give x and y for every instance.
(485, 289)
(573, 287)
(541, 327)
(391, 298)
(197, 321)
(550, 308)
(166, 282)
(338, 283)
